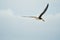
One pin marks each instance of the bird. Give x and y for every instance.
(40, 16)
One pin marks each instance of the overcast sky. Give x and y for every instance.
(15, 27)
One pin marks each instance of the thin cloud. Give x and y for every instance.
(14, 25)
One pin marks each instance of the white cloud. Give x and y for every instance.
(15, 27)
(9, 17)
(6, 12)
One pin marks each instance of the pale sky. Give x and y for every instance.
(15, 27)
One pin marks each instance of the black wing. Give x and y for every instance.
(44, 11)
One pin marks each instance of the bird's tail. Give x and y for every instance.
(43, 20)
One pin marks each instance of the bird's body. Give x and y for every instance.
(39, 17)
(35, 17)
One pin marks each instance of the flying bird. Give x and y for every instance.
(40, 16)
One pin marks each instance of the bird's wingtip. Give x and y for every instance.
(47, 3)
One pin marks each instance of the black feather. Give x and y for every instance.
(43, 11)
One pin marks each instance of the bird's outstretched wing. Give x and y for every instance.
(44, 11)
(29, 16)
